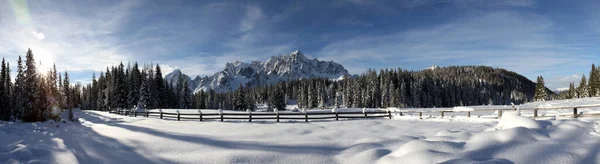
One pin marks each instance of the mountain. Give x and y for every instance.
(259, 73)
(174, 77)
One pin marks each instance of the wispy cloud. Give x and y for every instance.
(522, 42)
(199, 37)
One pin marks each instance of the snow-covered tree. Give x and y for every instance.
(540, 90)
(582, 89)
(186, 95)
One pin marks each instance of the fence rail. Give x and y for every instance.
(306, 116)
(499, 111)
(347, 115)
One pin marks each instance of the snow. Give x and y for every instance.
(275, 69)
(101, 137)
(513, 119)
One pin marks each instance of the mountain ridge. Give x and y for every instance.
(258, 73)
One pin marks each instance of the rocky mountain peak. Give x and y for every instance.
(277, 68)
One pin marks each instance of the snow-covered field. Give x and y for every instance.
(109, 138)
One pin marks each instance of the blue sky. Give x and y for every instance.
(556, 39)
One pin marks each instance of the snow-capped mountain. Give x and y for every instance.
(257, 73)
(173, 78)
(432, 67)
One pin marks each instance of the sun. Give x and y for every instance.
(44, 59)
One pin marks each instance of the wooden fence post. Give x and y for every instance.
(442, 112)
(305, 117)
(400, 113)
(390, 114)
(499, 113)
(468, 114)
(365, 115)
(574, 112)
(250, 116)
(146, 113)
(535, 114)
(336, 116)
(161, 115)
(178, 117)
(277, 116)
(200, 117)
(135, 114)
(420, 115)
(221, 117)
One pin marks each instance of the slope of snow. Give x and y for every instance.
(109, 138)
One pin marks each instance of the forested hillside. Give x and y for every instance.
(439, 87)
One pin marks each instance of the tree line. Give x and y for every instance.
(440, 87)
(35, 95)
(586, 88)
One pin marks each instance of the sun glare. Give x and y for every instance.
(43, 58)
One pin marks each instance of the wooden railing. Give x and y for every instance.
(441, 112)
(306, 116)
(499, 111)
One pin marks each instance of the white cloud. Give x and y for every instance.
(77, 42)
(254, 15)
(166, 69)
(38, 35)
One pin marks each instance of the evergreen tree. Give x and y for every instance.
(239, 99)
(19, 91)
(201, 99)
(312, 95)
(594, 84)
(571, 92)
(582, 89)
(135, 82)
(30, 86)
(160, 85)
(4, 94)
(144, 93)
(68, 104)
(186, 94)
(277, 100)
(540, 90)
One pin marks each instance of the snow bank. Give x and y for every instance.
(109, 138)
(512, 119)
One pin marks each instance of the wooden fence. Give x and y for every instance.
(499, 111)
(342, 115)
(259, 115)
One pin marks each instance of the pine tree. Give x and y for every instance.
(594, 81)
(201, 99)
(394, 100)
(540, 90)
(239, 99)
(338, 99)
(186, 95)
(68, 104)
(160, 86)
(571, 92)
(144, 93)
(582, 89)
(19, 91)
(250, 101)
(32, 112)
(135, 82)
(320, 95)
(8, 101)
(312, 95)
(277, 99)
(4, 94)
(301, 100)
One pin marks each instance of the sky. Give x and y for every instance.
(556, 39)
